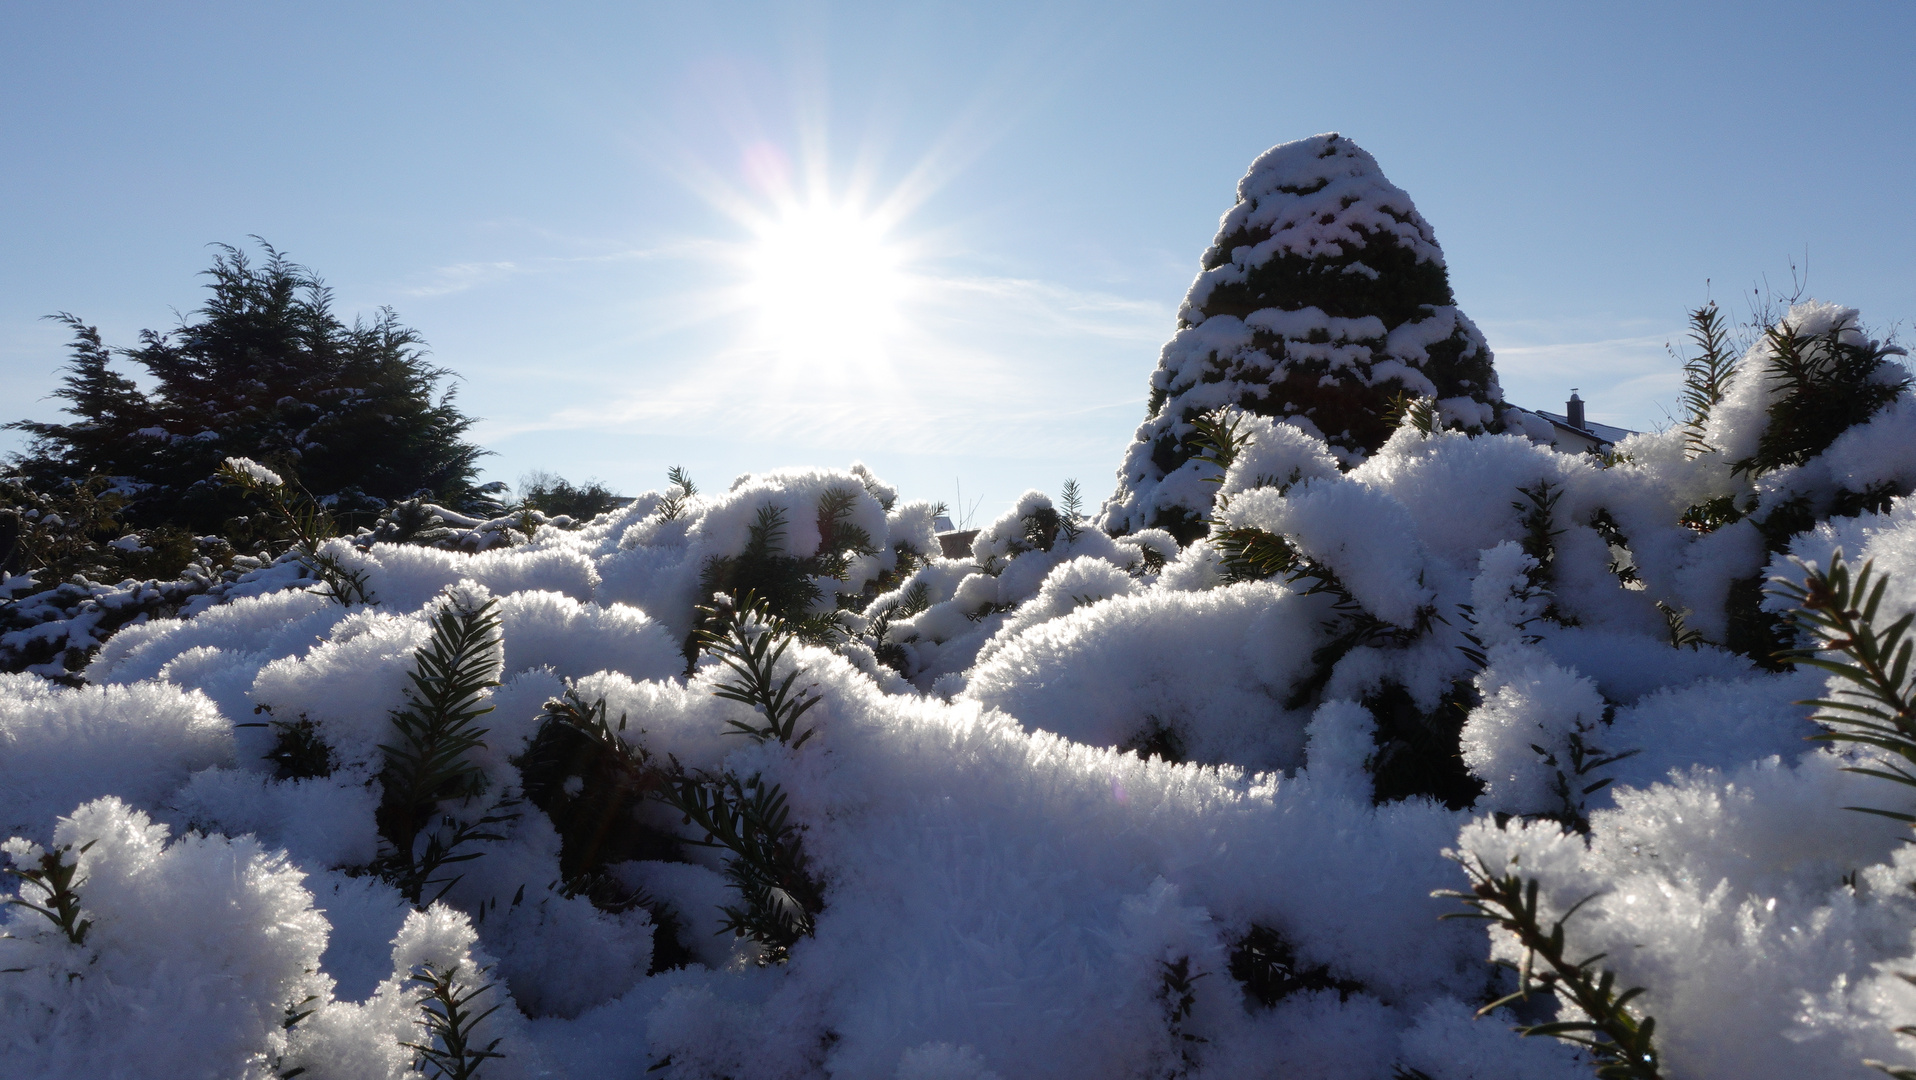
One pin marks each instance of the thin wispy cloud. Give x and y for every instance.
(459, 277)
(463, 276)
(1062, 309)
(1627, 381)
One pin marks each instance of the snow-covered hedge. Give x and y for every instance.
(756, 784)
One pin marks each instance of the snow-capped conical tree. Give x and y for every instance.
(1323, 299)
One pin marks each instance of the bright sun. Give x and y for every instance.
(827, 285)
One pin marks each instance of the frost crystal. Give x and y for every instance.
(259, 473)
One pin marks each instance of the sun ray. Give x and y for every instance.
(827, 286)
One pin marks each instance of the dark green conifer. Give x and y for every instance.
(264, 370)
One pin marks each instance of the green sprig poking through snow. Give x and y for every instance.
(1418, 411)
(52, 876)
(750, 640)
(309, 523)
(1839, 612)
(429, 760)
(750, 818)
(1828, 383)
(451, 1049)
(1616, 1039)
(1706, 376)
(1071, 516)
(672, 506)
(1216, 438)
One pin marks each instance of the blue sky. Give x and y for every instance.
(570, 202)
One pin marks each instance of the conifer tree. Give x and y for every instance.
(1323, 298)
(265, 370)
(554, 495)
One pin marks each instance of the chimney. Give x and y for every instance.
(1573, 410)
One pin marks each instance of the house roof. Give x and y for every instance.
(1603, 433)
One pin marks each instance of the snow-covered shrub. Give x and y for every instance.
(54, 632)
(1534, 739)
(72, 572)
(810, 543)
(189, 959)
(1323, 298)
(756, 784)
(404, 1028)
(938, 621)
(416, 521)
(61, 747)
(787, 863)
(1204, 676)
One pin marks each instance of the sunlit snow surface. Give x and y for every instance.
(1003, 885)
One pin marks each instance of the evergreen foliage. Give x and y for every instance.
(60, 550)
(427, 524)
(1177, 994)
(1041, 527)
(592, 783)
(1707, 375)
(779, 898)
(1681, 635)
(1265, 963)
(1538, 518)
(1620, 1044)
(1419, 412)
(1900, 1072)
(580, 769)
(1621, 563)
(556, 496)
(751, 641)
(52, 876)
(1417, 749)
(306, 522)
(1216, 438)
(1574, 780)
(1711, 514)
(451, 1049)
(1347, 675)
(1538, 508)
(672, 506)
(787, 587)
(299, 751)
(914, 600)
(1323, 300)
(429, 760)
(1820, 385)
(1837, 610)
(1071, 515)
(265, 370)
(1828, 383)
(413, 521)
(80, 531)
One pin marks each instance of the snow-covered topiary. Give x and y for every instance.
(1323, 300)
